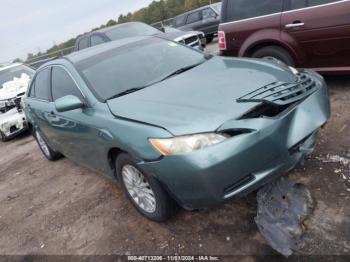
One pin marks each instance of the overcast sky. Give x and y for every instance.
(35, 25)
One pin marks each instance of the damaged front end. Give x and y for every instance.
(12, 118)
(13, 89)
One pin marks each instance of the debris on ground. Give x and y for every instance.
(283, 206)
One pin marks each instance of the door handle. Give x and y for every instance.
(294, 25)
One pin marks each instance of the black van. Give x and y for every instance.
(205, 19)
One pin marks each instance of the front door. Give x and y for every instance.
(321, 29)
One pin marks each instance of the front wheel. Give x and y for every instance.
(144, 191)
(45, 148)
(274, 53)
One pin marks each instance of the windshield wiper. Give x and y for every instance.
(134, 89)
(128, 91)
(178, 71)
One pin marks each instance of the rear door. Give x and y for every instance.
(241, 19)
(321, 29)
(193, 21)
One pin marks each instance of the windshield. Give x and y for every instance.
(217, 8)
(131, 30)
(135, 65)
(9, 74)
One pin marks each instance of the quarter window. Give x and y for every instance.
(96, 40)
(63, 84)
(42, 85)
(243, 9)
(83, 43)
(194, 17)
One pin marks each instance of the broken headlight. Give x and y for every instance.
(186, 144)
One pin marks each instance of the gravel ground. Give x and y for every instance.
(62, 208)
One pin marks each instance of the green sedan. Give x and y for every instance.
(172, 126)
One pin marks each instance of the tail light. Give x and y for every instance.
(222, 40)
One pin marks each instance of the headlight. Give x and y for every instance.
(294, 70)
(185, 144)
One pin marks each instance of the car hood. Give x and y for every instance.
(201, 99)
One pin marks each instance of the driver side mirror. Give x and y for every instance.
(68, 103)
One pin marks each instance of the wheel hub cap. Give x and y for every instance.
(139, 188)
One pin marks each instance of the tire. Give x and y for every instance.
(158, 205)
(209, 38)
(47, 151)
(275, 52)
(3, 137)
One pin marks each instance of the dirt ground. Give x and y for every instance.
(63, 209)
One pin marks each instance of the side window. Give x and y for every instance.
(194, 17)
(320, 2)
(297, 4)
(180, 20)
(83, 43)
(208, 13)
(243, 9)
(42, 84)
(96, 40)
(63, 84)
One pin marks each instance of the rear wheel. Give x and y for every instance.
(144, 191)
(45, 148)
(274, 52)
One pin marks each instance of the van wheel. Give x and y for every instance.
(209, 38)
(45, 148)
(144, 191)
(274, 52)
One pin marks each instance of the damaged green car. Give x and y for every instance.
(173, 126)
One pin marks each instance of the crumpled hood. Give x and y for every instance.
(14, 87)
(201, 99)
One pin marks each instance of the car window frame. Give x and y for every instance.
(74, 81)
(33, 84)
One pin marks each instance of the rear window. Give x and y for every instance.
(243, 9)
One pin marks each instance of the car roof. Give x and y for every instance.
(10, 66)
(195, 10)
(95, 50)
(107, 29)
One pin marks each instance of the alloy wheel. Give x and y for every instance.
(42, 144)
(139, 188)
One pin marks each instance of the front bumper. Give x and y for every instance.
(14, 125)
(241, 164)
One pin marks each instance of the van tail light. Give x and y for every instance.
(222, 40)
